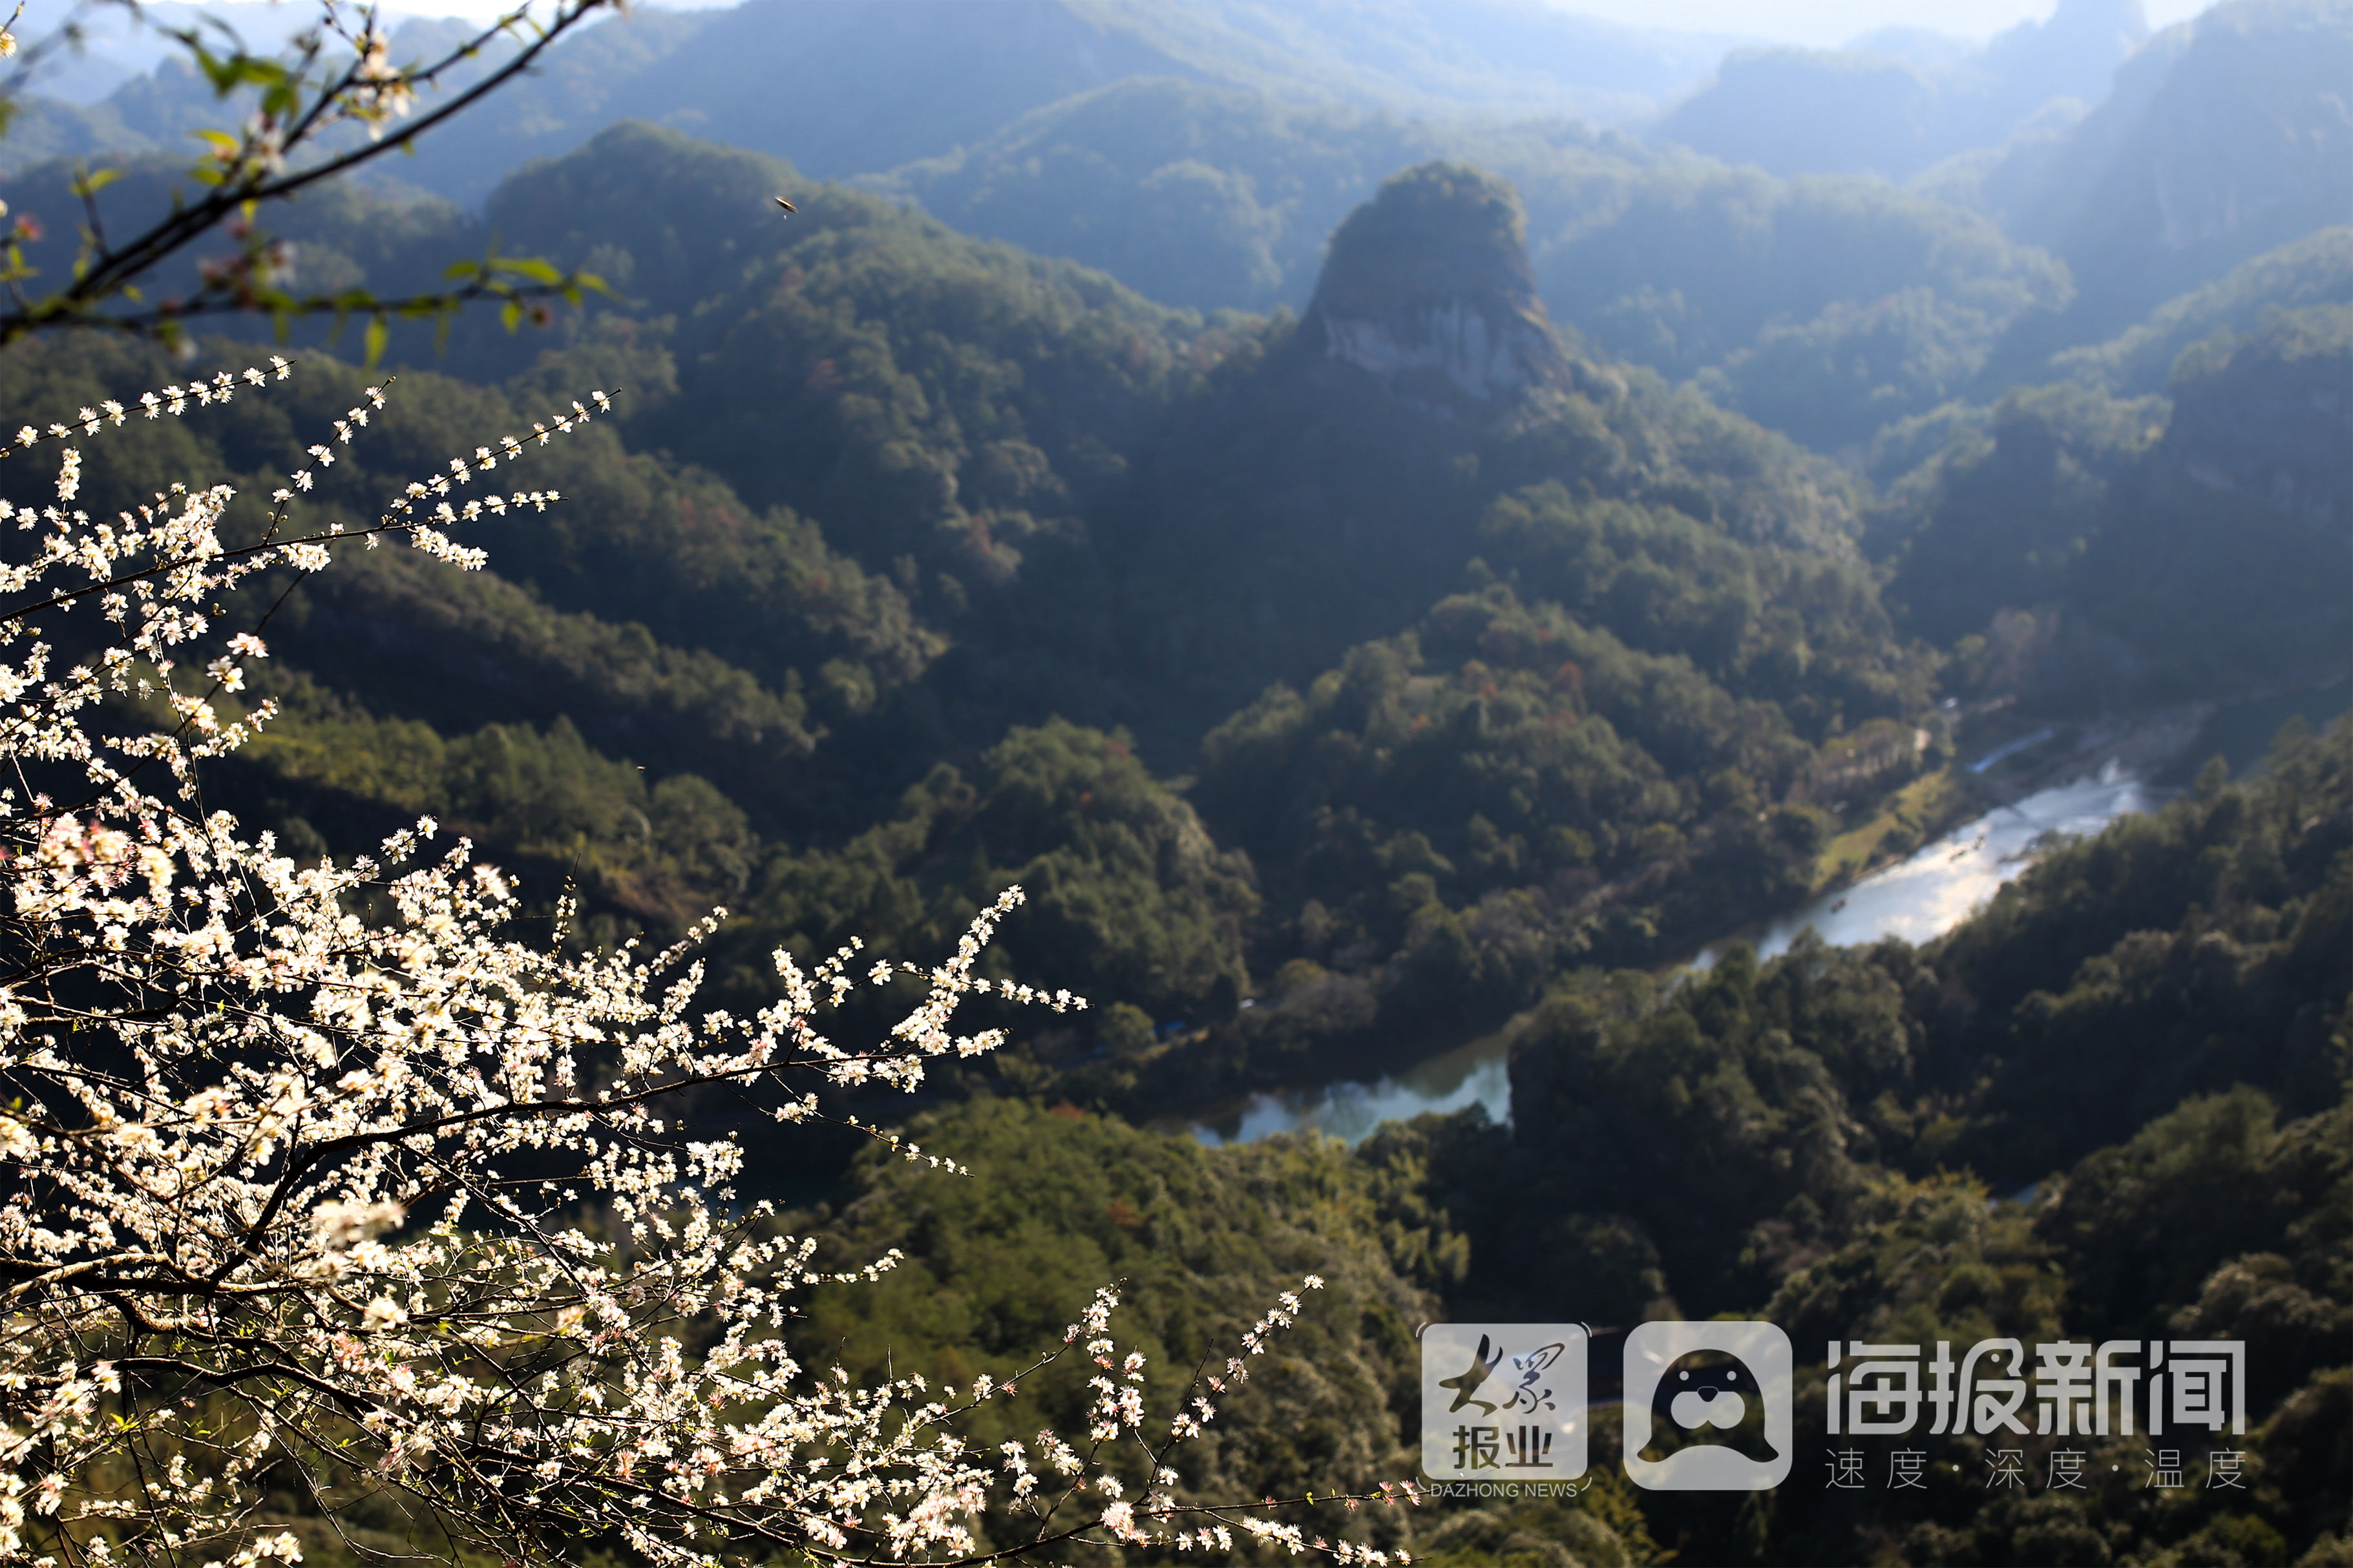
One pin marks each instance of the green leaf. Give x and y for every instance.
(239, 70)
(530, 267)
(378, 334)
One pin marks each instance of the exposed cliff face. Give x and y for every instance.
(1427, 288)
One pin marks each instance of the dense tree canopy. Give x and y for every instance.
(1334, 709)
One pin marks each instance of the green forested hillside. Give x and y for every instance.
(1510, 787)
(1204, 1242)
(1195, 195)
(1827, 307)
(1347, 684)
(2111, 1105)
(2317, 270)
(1566, 665)
(913, 565)
(2194, 544)
(2150, 1027)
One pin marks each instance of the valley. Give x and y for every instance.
(1640, 677)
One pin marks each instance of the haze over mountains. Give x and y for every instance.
(845, 88)
(1035, 495)
(1896, 100)
(1394, 520)
(1201, 152)
(1980, 422)
(2032, 297)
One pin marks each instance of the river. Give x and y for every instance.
(1917, 899)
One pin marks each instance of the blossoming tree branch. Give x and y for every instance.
(322, 1179)
(336, 99)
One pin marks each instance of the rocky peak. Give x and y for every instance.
(1428, 287)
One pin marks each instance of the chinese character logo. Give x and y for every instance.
(2079, 1390)
(1707, 1406)
(1465, 1386)
(1503, 1401)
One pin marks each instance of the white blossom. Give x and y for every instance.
(253, 1117)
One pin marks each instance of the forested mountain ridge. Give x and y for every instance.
(2150, 1026)
(1213, 198)
(1826, 308)
(2197, 545)
(891, 515)
(1489, 654)
(1201, 152)
(1880, 303)
(2316, 269)
(867, 87)
(1347, 686)
(1663, 617)
(1426, 328)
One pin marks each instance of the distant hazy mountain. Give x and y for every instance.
(113, 47)
(1492, 56)
(131, 91)
(1829, 307)
(1899, 101)
(1200, 152)
(1201, 196)
(844, 87)
(2225, 137)
(1920, 47)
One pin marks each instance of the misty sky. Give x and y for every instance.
(1824, 22)
(1817, 23)
(1814, 23)
(1820, 23)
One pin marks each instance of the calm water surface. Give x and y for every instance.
(1941, 885)
(1917, 899)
